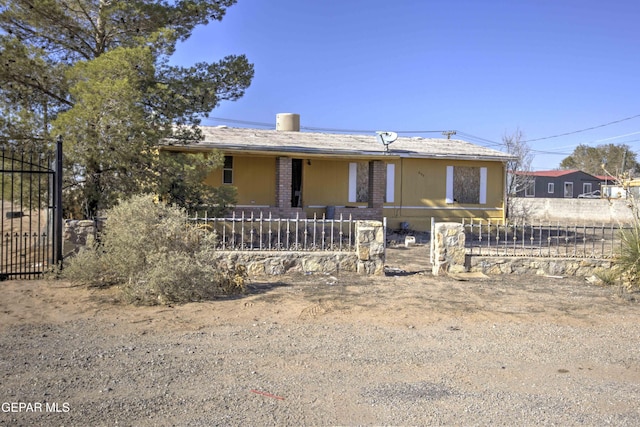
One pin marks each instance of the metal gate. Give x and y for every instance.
(31, 212)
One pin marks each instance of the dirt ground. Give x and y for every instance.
(406, 348)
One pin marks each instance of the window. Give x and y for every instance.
(359, 182)
(389, 193)
(568, 189)
(586, 187)
(551, 187)
(530, 188)
(227, 170)
(465, 184)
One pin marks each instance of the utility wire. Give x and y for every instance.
(464, 135)
(477, 139)
(584, 130)
(315, 128)
(554, 153)
(365, 131)
(488, 142)
(242, 122)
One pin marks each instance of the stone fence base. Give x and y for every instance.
(449, 256)
(368, 257)
(277, 263)
(537, 266)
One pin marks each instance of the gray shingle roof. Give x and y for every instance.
(330, 144)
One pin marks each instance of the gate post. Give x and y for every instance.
(57, 215)
(448, 248)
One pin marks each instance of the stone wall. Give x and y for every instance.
(449, 257)
(573, 211)
(581, 267)
(260, 263)
(368, 257)
(77, 233)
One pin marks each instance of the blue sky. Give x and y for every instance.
(481, 67)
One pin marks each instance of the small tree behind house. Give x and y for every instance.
(517, 177)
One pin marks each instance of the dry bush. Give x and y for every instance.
(609, 276)
(155, 255)
(628, 257)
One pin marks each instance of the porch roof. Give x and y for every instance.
(334, 145)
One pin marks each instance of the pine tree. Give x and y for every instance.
(97, 72)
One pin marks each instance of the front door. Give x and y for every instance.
(296, 183)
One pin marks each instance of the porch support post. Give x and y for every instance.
(377, 183)
(283, 182)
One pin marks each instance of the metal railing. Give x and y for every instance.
(483, 237)
(260, 233)
(30, 211)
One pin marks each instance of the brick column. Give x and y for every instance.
(377, 183)
(283, 182)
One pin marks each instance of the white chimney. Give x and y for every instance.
(288, 122)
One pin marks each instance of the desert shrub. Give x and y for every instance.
(628, 256)
(155, 255)
(609, 276)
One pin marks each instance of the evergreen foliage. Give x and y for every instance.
(97, 72)
(616, 159)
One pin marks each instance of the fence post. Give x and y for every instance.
(57, 178)
(449, 248)
(431, 241)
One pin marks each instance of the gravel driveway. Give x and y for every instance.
(405, 349)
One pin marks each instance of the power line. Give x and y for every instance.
(467, 136)
(617, 137)
(553, 153)
(365, 130)
(584, 130)
(243, 122)
(477, 138)
(323, 129)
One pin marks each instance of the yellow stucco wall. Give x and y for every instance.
(423, 182)
(325, 182)
(420, 193)
(419, 188)
(254, 177)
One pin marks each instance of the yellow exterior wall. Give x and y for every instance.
(421, 193)
(325, 182)
(254, 177)
(419, 188)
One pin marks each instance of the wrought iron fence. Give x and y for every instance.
(30, 211)
(260, 233)
(483, 237)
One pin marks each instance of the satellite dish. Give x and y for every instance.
(386, 138)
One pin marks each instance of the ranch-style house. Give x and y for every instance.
(288, 173)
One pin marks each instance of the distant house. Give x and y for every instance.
(606, 179)
(288, 173)
(559, 184)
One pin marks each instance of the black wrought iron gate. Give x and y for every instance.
(31, 212)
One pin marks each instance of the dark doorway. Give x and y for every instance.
(296, 183)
